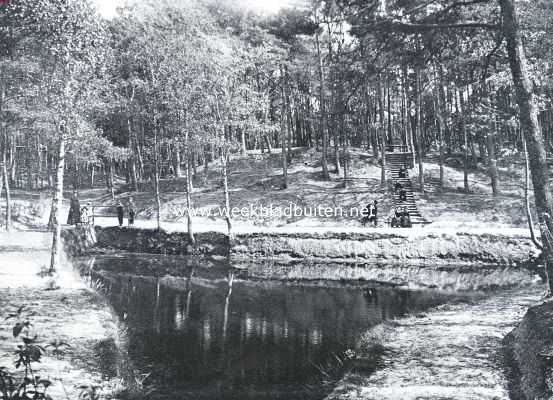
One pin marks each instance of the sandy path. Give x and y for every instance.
(452, 352)
(72, 313)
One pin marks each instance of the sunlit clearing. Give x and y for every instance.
(265, 6)
(107, 8)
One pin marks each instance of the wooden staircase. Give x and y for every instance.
(394, 161)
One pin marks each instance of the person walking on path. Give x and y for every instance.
(373, 212)
(85, 214)
(74, 216)
(132, 211)
(120, 213)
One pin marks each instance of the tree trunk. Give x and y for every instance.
(111, 179)
(405, 107)
(383, 151)
(268, 143)
(156, 178)
(56, 208)
(283, 132)
(224, 165)
(443, 100)
(49, 163)
(492, 163)
(92, 173)
(13, 162)
(528, 110)
(177, 159)
(288, 119)
(527, 197)
(418, 135)
(444, 132)
(389, 109)
(139, 151)
(243, 147)
(336, 149)
(344, 150)
(189, 195)
(132, 161)
(461, 110)
(6, 180)
(322, 117)
(440, 139)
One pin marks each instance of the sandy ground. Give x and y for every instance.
(451, 352)
(59, 308)
(256, 181)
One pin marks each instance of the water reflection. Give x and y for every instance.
(207, 334)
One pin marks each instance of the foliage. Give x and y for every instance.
(27, 385)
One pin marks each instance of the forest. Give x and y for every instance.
(168, 86)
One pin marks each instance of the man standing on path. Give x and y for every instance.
(131, 211)
(120, 213)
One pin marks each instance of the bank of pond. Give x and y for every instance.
(238, 320)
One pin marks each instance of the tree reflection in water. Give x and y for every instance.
(208, 334)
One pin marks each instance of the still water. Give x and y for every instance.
(208, 332)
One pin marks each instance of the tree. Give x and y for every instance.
(71, 38)
(528, 111)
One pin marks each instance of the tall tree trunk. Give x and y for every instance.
(418, 129)
(530, 125)
(132, 161)
(381, 115)
(440, 139)
(405, 107)
(492, 162)
(139, 151)
(527, 197)
(75, 175)
(336, 149)
(383, 151)
(444, 132)
(49, 162)
(528, 109)
(2, 160)
(189, 194)
(283, 131)
(156, 176)
(389, 109)
(322, 117)
(57, 204)
(461, 109)
(92, 173)
(288, 118)
(443, 101)
(13, 162)
(344, 150)
(111, 179)
(224, 166)
(243, 147)
(6, 180)
(177, 159)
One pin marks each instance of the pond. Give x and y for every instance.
(209, 332)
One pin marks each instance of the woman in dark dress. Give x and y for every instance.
(120, 213)
(74, 216)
